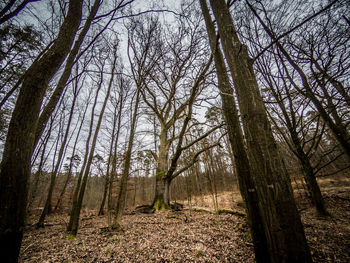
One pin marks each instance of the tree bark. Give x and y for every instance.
(282, 225)
(15, 166)
(244, 176)
(161, 197)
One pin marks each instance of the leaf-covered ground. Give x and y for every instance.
(177, 237)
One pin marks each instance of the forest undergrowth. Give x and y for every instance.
(178, 236)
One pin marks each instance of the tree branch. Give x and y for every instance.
(194, 160)
(292, 29)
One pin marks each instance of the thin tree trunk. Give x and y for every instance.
(124, 180)
(298, 150)
(114, 161)
(47, 208)
(34, 187)
(109, 175)
(80, 176)
(69, 175)
(338, 129)
(74, 220)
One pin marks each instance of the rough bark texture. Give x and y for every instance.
(15, 166)
(161, 198)
(235, 135)
(283, 228)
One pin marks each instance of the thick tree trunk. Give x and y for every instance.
(15, 166)
(245, 180)
(161, 199)
(282, 225)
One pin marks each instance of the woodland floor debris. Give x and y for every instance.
(174, 236)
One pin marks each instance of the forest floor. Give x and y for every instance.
(175, 236)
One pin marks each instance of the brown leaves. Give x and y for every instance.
(160, 237)
(169, 237)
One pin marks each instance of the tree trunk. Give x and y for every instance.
(282, 225)
(34, 187)
(298, 150)
(124, 180)
(244, 176)
(161, 199)
(47, 207)
(122, 97)
(15, 166)
(74, 218)
(50, 106)
(74, 211)
(338, 128)
(312, 184)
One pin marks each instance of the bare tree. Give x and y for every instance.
(282, 225)
(80, 188)
(126, 167)
(245, 178)
(161, 71)
(15, 166)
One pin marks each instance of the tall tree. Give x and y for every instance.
(48, 206)
(245, 180)
(282, 225)
(80, 188)
(329, 114)
(126, 168)
(15, 165)
(57, 93)
(160, 71)
(301, 141)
